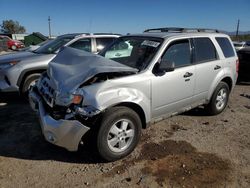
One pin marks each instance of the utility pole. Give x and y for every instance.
(237, 30)
(49, 27)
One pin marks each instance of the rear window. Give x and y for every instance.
(204, 50)
(226, 46)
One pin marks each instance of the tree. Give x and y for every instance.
(12, 27)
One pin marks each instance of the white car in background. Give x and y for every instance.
(239, 45)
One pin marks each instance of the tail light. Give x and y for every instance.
(237, 65)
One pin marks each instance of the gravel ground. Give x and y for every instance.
(188, 150)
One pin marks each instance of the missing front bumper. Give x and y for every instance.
(64, 133)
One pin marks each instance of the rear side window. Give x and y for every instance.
(204, 50)
(82, 44)
(226, 46)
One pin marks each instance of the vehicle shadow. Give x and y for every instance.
(198, 111)
(21, 137)
(243, 83)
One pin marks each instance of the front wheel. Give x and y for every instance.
(119, 133)
(219, 99)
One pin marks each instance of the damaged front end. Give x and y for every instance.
(65, 112)
(63, 106)
(56, 127)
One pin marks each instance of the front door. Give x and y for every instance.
(174, 90)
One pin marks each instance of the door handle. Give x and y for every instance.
(187, 74)
(217, 67)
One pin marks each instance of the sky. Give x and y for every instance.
(127, 16)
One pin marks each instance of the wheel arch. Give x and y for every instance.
(227, 79)
(28, 72)
(137, 108)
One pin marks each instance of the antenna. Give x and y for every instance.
(237, 30)
(49, 27)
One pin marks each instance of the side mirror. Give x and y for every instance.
(166, 66)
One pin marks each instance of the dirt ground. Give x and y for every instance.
(188, 150)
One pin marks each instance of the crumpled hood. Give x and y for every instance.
(72, 67)
(16, 56)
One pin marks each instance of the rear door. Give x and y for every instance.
(174, 90)
(207, 66)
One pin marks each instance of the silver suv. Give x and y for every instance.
(164, 72)
(20, 70)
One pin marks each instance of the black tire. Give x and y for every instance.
(28, 81)
(109, 119)
(214, 109)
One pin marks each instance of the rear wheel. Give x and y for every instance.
(219, 99)
(29, 82)
(13, 47)
(119, 133)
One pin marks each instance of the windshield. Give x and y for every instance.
(135, 52)
(53, 45)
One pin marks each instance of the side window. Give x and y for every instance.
(248, 43)
(82, 44)
(204, 50)
(226, 46)
(178, 52)
(103, 42)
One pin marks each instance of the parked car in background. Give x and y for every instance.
(12, 44)
(112, 97)
(244, 66)
(119, 51)
(20, 70)
(34, 47)
(241, 45)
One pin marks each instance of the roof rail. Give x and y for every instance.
(105, 34)
(181, 30)
(86, 34)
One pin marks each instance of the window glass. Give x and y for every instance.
(53, 45)
(247, 43)
(135, 52)
(178, 53)
(204, 50)
(225, 46)
(82, 44)
(121, 46)
(103, 42)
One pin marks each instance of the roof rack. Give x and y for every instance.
(181, 30)
(106, 34)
